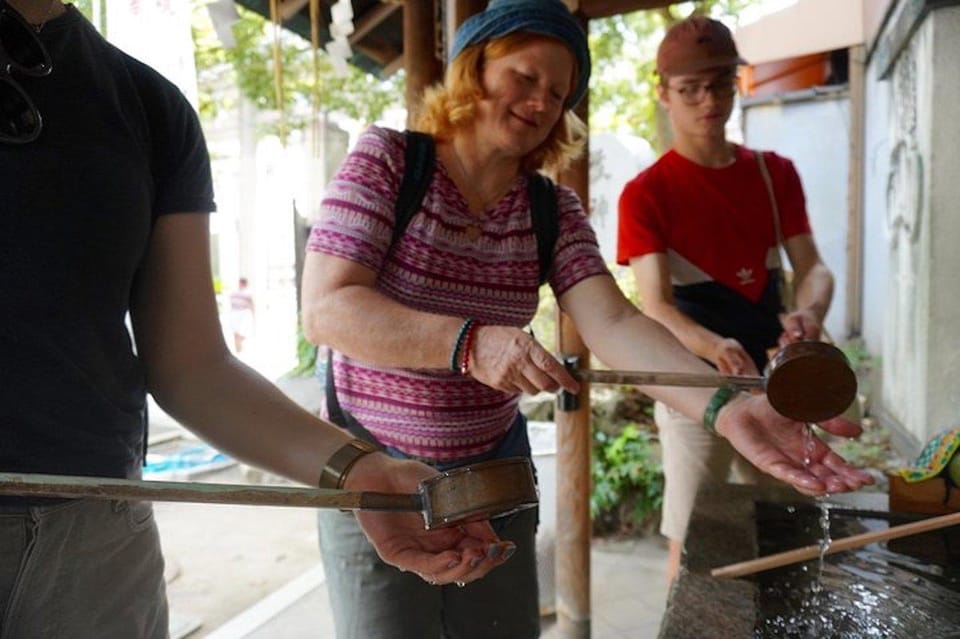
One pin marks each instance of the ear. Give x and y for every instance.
(663, 96)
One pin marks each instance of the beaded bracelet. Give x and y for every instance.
(467, 341)
(720, 399)
(455, 353)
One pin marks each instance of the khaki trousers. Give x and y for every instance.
(693, 458)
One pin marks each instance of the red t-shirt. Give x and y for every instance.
(713, 224)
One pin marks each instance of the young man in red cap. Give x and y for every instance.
(697, 229)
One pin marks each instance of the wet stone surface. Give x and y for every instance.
(907, 588)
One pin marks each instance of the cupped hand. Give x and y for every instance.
(786, 449)
(731, 358)
(799, 325)
(458, 554)
(511, 360)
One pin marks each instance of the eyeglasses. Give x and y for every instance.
(21, 53)
(694, 94)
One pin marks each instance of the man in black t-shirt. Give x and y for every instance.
(106, 189)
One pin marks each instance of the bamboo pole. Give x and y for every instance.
(805, 553)
(640, 378)
(277, 24)
(70, 486)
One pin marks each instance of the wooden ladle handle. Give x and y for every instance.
(805, 553)
(806, 381)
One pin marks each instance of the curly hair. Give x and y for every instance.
(451, 106)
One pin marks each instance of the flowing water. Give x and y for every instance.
(906, 588)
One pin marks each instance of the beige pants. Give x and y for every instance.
(693, 457)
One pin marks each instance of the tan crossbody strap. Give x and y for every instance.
(761, 162)
(785, 298)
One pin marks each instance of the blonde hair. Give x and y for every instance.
(451, 106)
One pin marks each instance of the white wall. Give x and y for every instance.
(876, 172)
(615, 159)
(814, 134)
(912, 160)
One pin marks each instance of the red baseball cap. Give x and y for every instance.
(696, 44)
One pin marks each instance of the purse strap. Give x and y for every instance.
(761, 162)
(765, 173)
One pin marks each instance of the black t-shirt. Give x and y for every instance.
(120, 146)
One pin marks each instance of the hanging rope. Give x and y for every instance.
(278, 67)
(315, 94)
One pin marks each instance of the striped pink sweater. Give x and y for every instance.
(435, 267)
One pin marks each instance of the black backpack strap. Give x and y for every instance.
(419, 160)
(334, 412)
(543, 216)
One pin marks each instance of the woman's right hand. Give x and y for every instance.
(511, 360)
(458, 554)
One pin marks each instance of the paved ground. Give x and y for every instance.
(254, 572)
(237, 572)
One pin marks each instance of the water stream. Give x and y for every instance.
(907, 588)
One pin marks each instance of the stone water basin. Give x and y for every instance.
(907, 588)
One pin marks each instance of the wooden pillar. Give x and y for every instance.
(456, 11)
(854, 294)
(419, 51)
(574, 438)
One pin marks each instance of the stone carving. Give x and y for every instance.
(905, 198)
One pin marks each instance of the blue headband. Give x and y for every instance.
(545, 17)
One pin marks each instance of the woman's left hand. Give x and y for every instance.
(784, 449)
(459, 554)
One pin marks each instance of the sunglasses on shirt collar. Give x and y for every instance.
(21, 53)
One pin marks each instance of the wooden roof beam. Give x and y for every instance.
(290, 8)
(607, 8)
(371, 20)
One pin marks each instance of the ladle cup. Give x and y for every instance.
(470, 493)
(806, 381)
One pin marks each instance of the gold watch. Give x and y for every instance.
(334, 472)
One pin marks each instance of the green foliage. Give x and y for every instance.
(306, 355)
(627, 480)
(85, 7)
(623, 85)
(356, 94)
(544, 324)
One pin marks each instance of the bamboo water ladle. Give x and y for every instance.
(471, 493)
(805, 381)
(812, 551)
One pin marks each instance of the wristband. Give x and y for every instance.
(334, 472)
(467, 342)
(455, 353)
(720, 399)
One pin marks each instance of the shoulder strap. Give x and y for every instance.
(543, 216)
(419, 160)
(762, 163)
